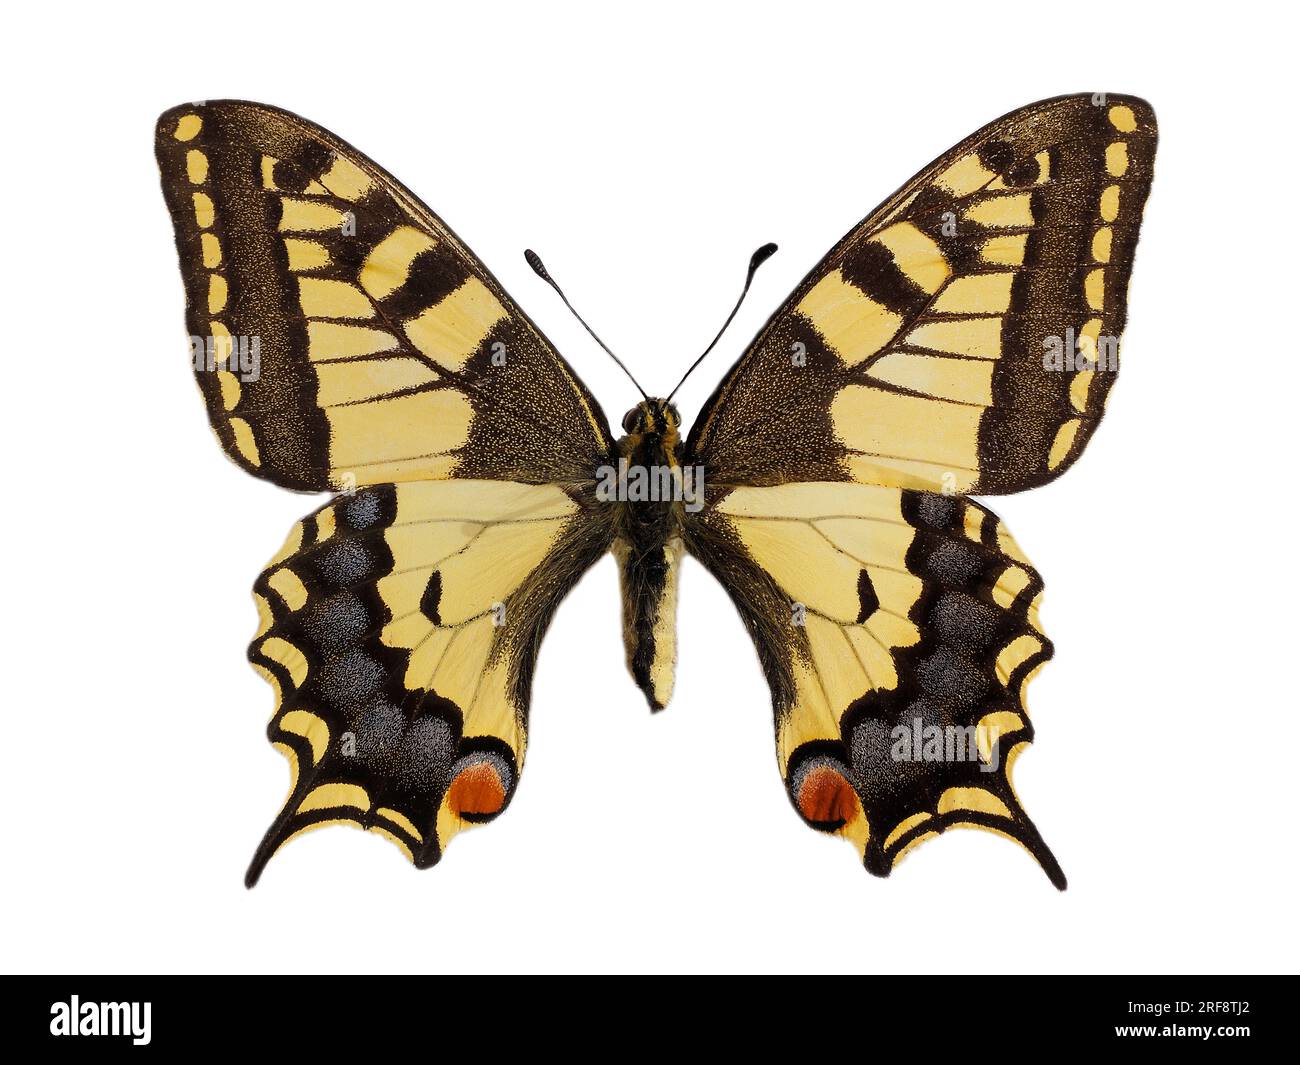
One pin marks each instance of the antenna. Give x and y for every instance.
(535, 261)
(755, 261)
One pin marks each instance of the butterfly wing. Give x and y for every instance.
(341, 333)
(399, 627)
(963, 337)
(960, 339)
(897, 630)
(344, 337)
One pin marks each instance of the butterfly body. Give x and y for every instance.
(895, 618)
(651, 496)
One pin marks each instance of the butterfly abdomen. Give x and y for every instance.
(648, 578)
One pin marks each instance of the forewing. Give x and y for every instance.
(964, 336)
(341, 333)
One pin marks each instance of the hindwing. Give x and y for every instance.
(399, 627)
(898, 630)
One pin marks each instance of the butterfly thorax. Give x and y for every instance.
(650, 490)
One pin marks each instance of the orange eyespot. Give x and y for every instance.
(477, 791)
(825, 797)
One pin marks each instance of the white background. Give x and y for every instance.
(645, 156)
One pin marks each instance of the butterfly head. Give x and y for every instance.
(654, 418)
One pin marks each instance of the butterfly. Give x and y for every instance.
(959, 341)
